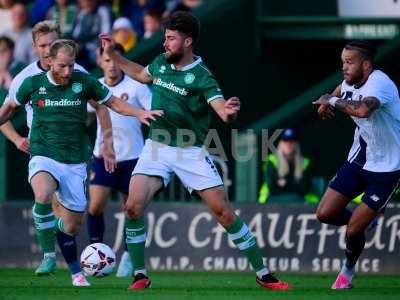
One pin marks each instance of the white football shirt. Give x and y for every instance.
(127, 131)
(376, 145)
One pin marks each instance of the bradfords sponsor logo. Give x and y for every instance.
(56, 103)
(172, 87)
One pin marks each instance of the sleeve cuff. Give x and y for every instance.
(15, 100)
(106, 98)
(214, 98)
(147, 71)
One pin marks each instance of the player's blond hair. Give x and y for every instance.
(44, 27)
(69, 46)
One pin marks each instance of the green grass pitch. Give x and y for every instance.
(22, 284)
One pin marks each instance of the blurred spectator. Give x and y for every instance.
(134, 10)
(124, 34)
(91, 20)
(9, 67)
(64, 13)
(38, 10)
(152, 23)
(286, 173)
(175, 5)
(192, 4)
(21, 34)
(5, 14)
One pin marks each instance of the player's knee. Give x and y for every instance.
(43, 196)
(134, 210)
(73, 228)
(353, 232)
(95, 210)
(225, 217)
(323, 215)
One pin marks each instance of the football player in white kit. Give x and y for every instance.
(372, 167)
(128, 143)
(43, 34)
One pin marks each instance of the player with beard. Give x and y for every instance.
(372, 167)
(58, 141)
(184, 89)
(43, 35)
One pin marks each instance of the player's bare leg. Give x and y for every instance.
(355, 242)
(44, 186)
(332, 208)
(240, 235)
(141, 189)
(71, 221)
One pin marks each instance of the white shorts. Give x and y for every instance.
(71, 180)
(193, 165)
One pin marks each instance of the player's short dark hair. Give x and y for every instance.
(6, 42)
(154, 13)
(184, 22)
(117, 47)
(365, 48)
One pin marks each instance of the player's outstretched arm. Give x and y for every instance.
(325, 111)
(132, 69)
(22, 143)
(107, 148)
(7, 111)
(361, 109)
(227, 110)
(126, 109)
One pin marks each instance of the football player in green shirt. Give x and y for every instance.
(58, 141)
(43, 35)
(183, 88)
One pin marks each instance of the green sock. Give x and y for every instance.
(135, 240)
(44, 220)
(241, 236)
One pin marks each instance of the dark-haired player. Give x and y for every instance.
(372, 167)
(183, 88)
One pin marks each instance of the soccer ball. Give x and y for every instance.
(97, 260)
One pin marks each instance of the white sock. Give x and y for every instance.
(49, 254)
(143, 271)
(125, 255)
(262, 272)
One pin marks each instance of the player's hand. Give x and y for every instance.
(325, 110)
(22, 144)
(146, 116)
(108, 154)
(232, 106)
(323, 100)
(107, 42)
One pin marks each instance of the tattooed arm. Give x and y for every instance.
(361, 109)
